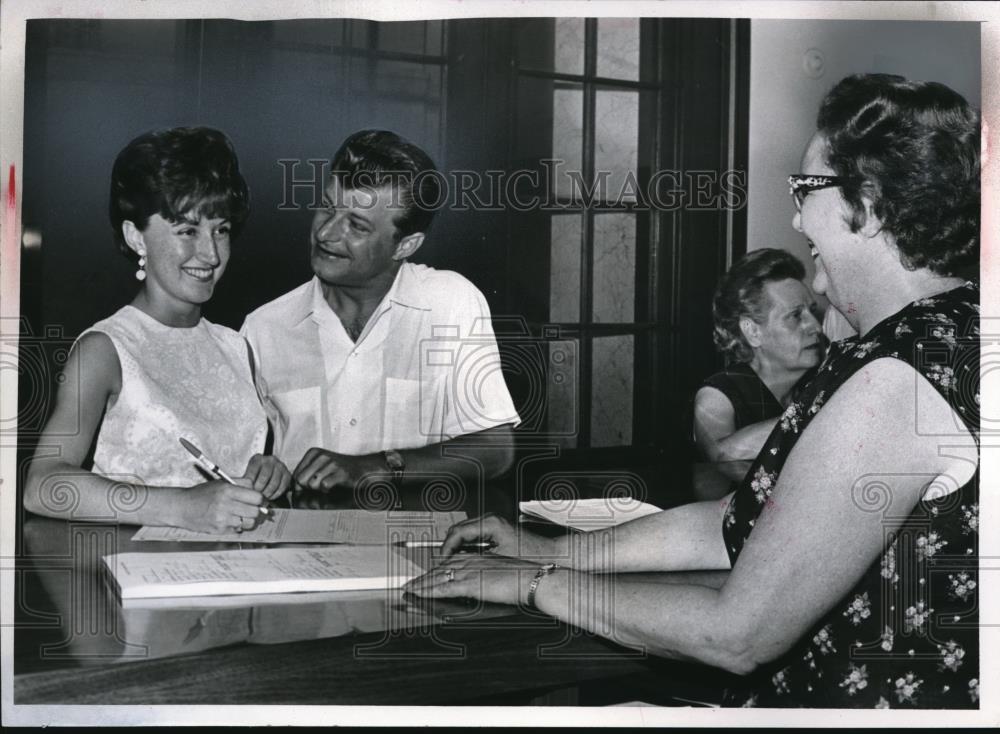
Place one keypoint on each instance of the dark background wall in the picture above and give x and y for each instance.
(291, 90)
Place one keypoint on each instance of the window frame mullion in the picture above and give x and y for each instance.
(585, 356)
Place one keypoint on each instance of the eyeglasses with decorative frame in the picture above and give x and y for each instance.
(801, 184)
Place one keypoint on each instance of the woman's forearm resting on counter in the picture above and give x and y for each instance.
(810, 545)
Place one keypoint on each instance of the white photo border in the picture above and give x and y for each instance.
(14, 13)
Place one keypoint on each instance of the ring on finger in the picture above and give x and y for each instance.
(449, 575)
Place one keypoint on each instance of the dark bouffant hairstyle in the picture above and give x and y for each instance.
(913, 148)
(741, 293)
(371, 159)
(184, 172)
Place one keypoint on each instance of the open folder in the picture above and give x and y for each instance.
(322, 526)
(259, 571)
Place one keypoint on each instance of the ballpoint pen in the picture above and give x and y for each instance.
(484, 545)
(212, 467)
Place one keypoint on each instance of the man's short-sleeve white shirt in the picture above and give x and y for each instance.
(425, 369)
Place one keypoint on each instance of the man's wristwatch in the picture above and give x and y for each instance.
(394, 461)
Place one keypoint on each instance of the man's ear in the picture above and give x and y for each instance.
(408, 245)
(133, 238)
(750, 330)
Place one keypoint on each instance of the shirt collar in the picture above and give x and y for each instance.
(405, 291)
(305, 302)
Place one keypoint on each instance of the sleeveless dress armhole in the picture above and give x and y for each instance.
(906, 634)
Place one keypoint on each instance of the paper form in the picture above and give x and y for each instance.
(360, 527)
(259, 571)
(588, 514)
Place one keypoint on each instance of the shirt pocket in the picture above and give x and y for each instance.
(298, 411)
(414, 411)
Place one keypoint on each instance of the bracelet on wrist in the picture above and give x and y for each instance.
(533, 586)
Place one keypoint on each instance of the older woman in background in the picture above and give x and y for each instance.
(156, 371)
(852, 541)
(765, 326)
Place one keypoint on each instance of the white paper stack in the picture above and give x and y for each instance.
(259, 571)
(587, 514)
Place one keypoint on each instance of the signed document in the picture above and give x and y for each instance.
(359, 527)
(259, 571)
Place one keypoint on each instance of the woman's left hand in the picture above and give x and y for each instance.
(488, 577)
(269, 475)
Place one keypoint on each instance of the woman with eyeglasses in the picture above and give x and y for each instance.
(849, 551)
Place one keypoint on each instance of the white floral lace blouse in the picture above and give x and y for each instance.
(906, 635)
(191, 382)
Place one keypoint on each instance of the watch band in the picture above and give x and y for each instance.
(539, 575)
(395, 463)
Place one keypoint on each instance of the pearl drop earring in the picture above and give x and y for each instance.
(140, 274)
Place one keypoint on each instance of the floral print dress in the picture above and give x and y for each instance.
(906, 635)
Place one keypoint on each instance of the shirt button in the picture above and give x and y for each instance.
(354, 421)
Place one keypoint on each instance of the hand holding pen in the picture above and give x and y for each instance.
(231, 506)
(484, 546)
(496, 535)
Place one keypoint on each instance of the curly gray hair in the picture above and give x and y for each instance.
(741, 293)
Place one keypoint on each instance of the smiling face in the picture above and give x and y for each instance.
(823, 219)
(184, 261)
(353, 237)
(791, 336)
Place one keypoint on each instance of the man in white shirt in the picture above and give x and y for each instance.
(377, 365)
